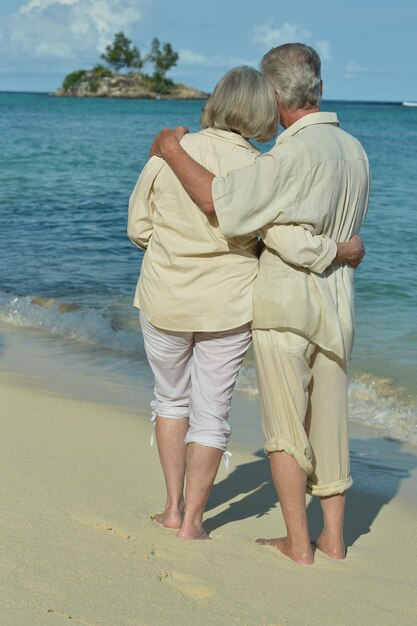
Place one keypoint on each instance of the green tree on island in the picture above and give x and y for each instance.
(122, 54)
(162, 60)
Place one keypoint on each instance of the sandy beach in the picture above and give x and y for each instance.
(80, 482)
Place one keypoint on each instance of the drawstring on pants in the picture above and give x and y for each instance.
(226, 459)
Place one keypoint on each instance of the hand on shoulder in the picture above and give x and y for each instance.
(166, 140)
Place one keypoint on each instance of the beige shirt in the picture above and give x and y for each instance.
(192, 277)
(317, 176)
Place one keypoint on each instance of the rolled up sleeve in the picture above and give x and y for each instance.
(251, 197)
(298, 246)
(267, 197)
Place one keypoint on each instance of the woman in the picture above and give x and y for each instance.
(195, 294)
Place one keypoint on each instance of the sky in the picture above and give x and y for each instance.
(368, 48)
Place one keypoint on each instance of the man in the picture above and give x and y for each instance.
(318, 176)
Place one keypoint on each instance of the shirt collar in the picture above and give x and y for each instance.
(231, 137)
(308, 120)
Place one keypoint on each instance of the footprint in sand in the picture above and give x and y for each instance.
(76, 619)
(159, 552)
(106, 527)
(184, 584)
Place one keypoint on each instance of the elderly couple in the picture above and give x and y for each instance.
(203, 294)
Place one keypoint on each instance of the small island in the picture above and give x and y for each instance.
(108, 81)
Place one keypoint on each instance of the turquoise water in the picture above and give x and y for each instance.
(68, 167)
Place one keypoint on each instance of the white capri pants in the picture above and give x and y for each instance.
(195, 374)
(303, 398)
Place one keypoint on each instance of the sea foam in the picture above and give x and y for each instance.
(85, 325)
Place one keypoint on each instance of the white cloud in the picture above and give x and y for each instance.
(58, 34)
(187, 57)
(41, 5)
(56, 51)
(268, 37)
(353, 69)
(323, 48)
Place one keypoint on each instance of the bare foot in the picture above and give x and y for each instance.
(168, 519)
(333, 549)
(302, 557)
(192, 532)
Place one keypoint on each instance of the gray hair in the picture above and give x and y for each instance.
(294, 71)
(243, 101)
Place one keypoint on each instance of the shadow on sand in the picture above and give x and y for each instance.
(253, 480)
(378, 467)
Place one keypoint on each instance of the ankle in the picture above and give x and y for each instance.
(300, 542)
(192, 531)
(331, 536)
(174, 504)
(332, 544)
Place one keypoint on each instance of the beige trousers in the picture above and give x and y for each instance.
(303, 399)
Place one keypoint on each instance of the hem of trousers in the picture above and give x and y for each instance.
(331, 489)
(218, 446)
(277, 444)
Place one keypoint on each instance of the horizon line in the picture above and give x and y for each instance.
(52, 94)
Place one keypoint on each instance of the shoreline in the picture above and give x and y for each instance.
(91, 373)
(79, 483)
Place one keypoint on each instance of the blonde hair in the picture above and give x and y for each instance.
(294, 71)
(243, 101)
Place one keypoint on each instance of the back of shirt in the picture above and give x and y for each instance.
(192, 277)
(330, 197)
(316, 175)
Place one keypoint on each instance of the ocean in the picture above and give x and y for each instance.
(68, 167)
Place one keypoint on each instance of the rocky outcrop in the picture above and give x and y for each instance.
(89, 85)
